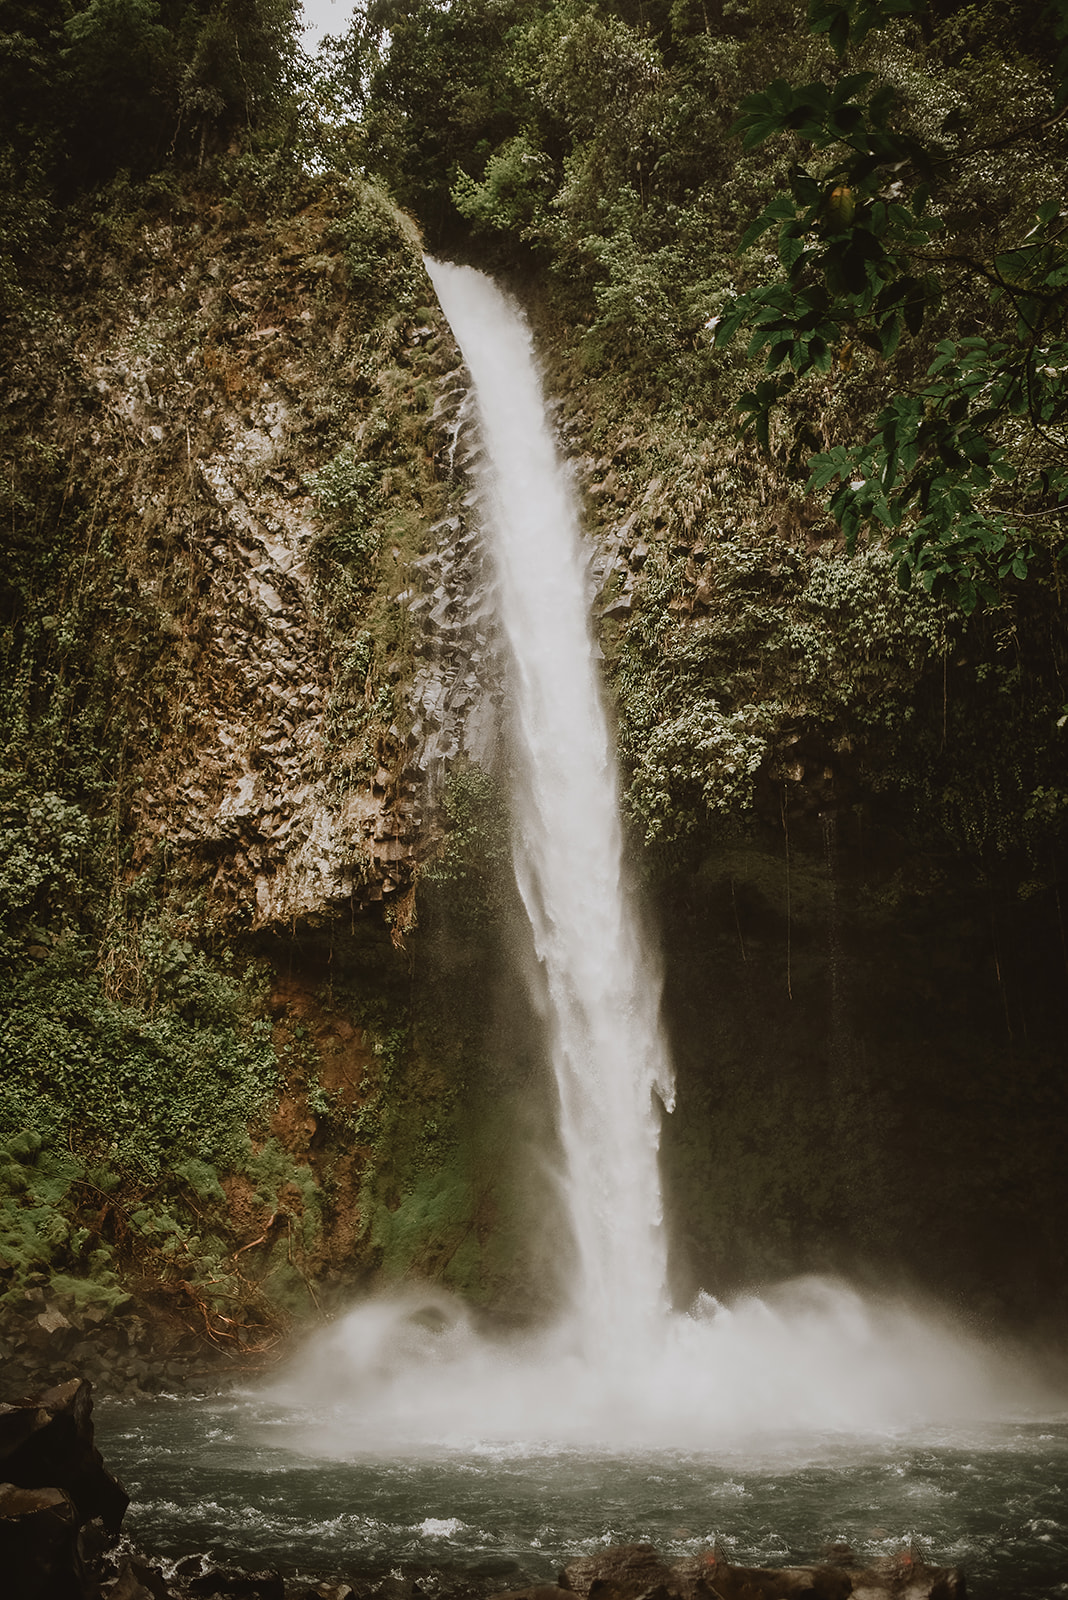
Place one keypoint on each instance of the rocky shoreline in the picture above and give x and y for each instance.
(62, 1512)
(131, 1353)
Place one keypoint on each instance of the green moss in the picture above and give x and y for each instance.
(42, 1237)
(148, 1088)
(85, 1292)
(425, 1227)
(201, 1178)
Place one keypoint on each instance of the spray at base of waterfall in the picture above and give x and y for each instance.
(812, 1356)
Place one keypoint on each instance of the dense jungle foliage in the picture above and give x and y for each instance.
(919, 229)
(874, 192)
(801, 279)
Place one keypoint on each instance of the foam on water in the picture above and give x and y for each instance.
(990, 1497)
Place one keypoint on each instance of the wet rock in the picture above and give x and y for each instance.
(636, 1572)
(621, 1572)
(396, 1587)
(728, 1582)
(908, 1577)
(49, 1444)
(540, 1591)
(93, 1542)
(53, 1321)
(235, 1585)
(39, 1557)
(136, 1581)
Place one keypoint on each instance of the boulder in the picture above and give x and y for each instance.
(636, 1572)
(48, 1444)
(908, 1577)
(729, 1582)
(237, 1585)
(620, 1572)
(539, 1591)
(39, 1556)
(136, 1581)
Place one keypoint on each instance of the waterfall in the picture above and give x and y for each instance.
(410, 1369)
(601, 986)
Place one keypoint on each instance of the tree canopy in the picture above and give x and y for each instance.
(966, 466)
(91, 86)
(906, 350)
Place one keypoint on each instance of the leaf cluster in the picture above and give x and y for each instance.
(963, 471)
(710, 707)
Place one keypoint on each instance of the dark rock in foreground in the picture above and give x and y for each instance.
(47, 1443)
(59, 1505)
(636, 1572)
(39, 1554)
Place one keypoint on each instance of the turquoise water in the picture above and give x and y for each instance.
(238, 1477)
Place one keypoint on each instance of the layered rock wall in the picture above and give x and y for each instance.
(217, 373)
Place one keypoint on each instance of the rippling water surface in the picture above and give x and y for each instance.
(238, 1476)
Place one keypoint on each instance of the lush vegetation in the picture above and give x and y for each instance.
(99, 92)
(157, 1100)
(88, 86)
(916, 291)
(872, 192)
(136, 1051)
(967, 467)
(801, 276)
(132, 1051)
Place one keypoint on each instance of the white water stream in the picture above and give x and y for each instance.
(603, 994)
(620, 1368)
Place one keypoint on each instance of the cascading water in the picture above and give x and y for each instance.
(620, 1367)
(603, 996)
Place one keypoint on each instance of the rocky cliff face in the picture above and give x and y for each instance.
(270, 417)
(246, 640)
(308, 705)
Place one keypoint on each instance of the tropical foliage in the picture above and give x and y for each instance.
(966, 466)
(89, 86)
(803, 277)
(909, 325)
